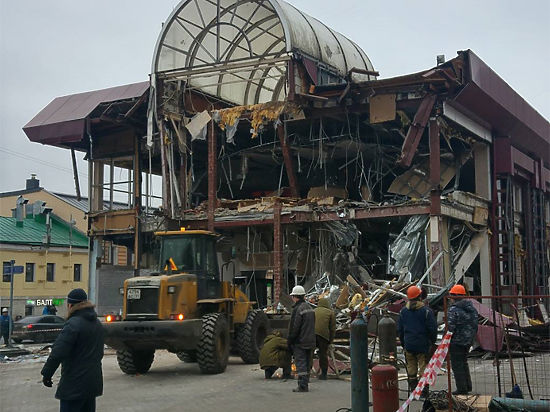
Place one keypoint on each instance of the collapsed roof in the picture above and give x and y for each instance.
(237, 50)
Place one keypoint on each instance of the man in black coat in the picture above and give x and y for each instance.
(79, 350)
(301, 336)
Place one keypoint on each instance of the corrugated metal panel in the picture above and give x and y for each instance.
(33, 231)
(62, 121)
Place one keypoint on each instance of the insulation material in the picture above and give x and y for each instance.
(415, 182)
(407, 250)
(259, 114)
(197, 126)
(382, 108)
(321, 192)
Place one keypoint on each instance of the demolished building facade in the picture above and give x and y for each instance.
(270, 128)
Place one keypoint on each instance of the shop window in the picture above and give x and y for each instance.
(5, 266)
(77, 272)
(50, 272)
(29, 272)
(28, 310)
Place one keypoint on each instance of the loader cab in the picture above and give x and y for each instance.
(194, 252)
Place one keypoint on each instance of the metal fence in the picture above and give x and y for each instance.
(511, 355)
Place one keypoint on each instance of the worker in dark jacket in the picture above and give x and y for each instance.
(301, 336)
(79, 350)
(417, 331)
(325, 328)
(462, 320)
(274, 355)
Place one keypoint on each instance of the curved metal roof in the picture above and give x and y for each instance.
(214, 34)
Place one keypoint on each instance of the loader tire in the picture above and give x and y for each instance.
(213, 348)
(251, 335)
(188, 356)
(133, 362)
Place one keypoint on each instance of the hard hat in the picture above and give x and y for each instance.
(413, 292)
(4, 310)
(457, 290)
(298, 291)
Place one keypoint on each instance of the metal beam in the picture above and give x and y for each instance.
(435, 168)
(436, 234)
(277, 252)
(212, 175)
(291, 174)
(311, 217)
(416, 129)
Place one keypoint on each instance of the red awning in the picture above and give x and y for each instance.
(63, 121)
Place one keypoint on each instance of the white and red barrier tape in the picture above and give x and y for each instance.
(430, 373)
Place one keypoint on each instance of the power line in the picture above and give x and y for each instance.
(40, 161)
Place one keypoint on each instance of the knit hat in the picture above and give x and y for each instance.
(77, 296)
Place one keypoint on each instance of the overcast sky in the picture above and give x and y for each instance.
(51, 48)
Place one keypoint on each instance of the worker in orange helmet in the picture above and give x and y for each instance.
(417, 331)
(462, 320)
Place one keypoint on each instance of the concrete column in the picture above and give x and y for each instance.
(96, 196)
(482, 162)
(93, 254)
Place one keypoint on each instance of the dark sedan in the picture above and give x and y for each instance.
(39, 329)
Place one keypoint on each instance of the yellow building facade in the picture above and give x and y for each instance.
(47, 278)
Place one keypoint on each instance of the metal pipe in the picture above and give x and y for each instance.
(449, 387)
(523, 353)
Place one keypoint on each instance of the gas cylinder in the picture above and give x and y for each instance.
(385, 388)
(387, 335)
(359, 335)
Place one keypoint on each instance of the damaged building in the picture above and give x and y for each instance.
(265, 125)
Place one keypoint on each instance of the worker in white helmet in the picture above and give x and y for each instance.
(301, 336)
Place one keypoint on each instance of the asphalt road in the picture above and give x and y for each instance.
(172, 385)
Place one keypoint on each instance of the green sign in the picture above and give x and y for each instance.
(31, 302)
(58, 302)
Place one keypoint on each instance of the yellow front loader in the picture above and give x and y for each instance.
(187, 309)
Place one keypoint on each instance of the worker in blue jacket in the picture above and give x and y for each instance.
(462, 320)
(5, 322)
(417, 331)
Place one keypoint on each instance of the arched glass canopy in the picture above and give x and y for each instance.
(238, 49)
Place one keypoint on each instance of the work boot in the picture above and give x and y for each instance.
(461, 381)
(413, 382)
(269, 373)
(425, 392)
(323, 375)
(302, 384)
(468, 379)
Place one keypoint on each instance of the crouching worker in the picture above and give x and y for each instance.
(274, 355)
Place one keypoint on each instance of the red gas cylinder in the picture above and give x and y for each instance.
(385, 389)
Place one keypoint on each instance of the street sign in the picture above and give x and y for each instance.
(16, 270)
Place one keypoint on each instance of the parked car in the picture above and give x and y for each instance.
(39, 329)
